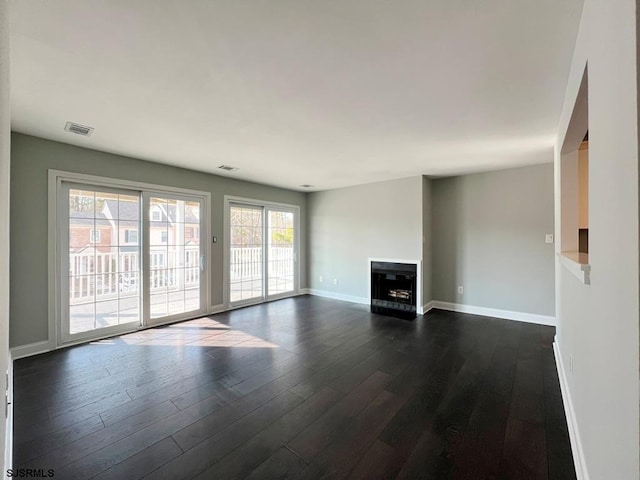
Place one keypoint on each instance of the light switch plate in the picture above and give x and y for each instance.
(548, 238)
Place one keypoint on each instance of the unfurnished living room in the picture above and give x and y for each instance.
(305, 239)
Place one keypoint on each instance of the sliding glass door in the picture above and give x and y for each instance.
(262, 252)
(128, 259)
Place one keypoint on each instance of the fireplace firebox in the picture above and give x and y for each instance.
(393, 289)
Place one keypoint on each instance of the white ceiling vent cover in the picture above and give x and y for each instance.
(79, 129)
(228, 168)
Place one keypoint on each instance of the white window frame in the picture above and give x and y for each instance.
(56, 274)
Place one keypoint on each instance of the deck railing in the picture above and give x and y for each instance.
(95, 276)
(246, 263)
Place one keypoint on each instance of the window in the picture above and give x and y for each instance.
(156, 215)
(131, 236)
(164, 237)
(94, 236)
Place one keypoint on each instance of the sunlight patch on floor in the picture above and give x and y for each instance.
(202, 332)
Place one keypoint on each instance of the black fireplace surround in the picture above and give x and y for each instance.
(393, 289)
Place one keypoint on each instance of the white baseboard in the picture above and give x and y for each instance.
(304, 291)
(30, 349)
(8, 442)
(572, 424)
(493, 312)
(338, 296)
(425, 308)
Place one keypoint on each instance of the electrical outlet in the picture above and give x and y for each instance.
(321, 279)
(335, 281)
(548, 238)
(460, 289)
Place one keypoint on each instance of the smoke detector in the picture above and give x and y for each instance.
(79, 129)
(306, 185)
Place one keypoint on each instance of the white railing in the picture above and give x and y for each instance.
(246, 263)
(106, 275)
(103, 276)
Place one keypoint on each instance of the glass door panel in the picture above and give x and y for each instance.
(281, 252)
(246, 277)
(103, 269)
(175, 256)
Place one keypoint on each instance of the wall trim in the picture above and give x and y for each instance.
(339, 296)
(427, 307)
(30, 349)
(572, 423)
(493, 312)
(8, 442)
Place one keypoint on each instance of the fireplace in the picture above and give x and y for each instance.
(394, 289)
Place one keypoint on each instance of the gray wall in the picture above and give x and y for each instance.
(5, 140)
(31, 158)
(489, 237)
(349, 225)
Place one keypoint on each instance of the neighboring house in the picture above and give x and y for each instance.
(108, 241)
(87, 231)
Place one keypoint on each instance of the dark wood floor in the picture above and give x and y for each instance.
(300, 388)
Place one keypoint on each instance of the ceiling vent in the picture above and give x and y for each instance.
(228, 168)
(306, 185)
(79, 129)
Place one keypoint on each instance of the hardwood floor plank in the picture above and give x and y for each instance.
(226, 439)
(427, 460)
(342, 455)
(381, 461)
(240, 462)
(315, 438)
(58, 456)
(525, 451)
(283, 465)
(41, 444)
(480, 452)
(140, 464)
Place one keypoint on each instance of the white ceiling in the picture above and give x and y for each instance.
(329, 93)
